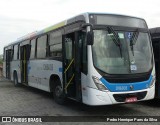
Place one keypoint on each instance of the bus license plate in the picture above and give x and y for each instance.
(131, 99)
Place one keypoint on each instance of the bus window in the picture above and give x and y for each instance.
(33, 44)
(19, 55)
(68, 47)
(55, 44)
(41, 47)
(56, 50)
(12, 52)
(15, 53)
(18, 52)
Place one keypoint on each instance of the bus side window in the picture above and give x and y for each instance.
(55, 44)
(68, 47)
(12, 52)
(18, 51)
(33, 45)
(41, 46)
(15, 52)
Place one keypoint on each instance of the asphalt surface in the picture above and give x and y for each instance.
(27, 101)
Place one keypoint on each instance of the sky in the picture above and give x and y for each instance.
(20, 17)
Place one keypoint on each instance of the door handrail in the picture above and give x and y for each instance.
(69, 65)
(68, 83)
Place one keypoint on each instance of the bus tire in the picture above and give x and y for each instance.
(58, 94)
(15, 79)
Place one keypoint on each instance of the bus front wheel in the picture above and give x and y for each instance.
(58, 93)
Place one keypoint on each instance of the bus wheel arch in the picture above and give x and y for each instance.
(56, 89)
(52, 80)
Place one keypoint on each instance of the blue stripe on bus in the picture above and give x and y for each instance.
(122, 87)
(60, 69)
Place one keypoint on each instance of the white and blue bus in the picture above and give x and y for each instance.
(93, 58)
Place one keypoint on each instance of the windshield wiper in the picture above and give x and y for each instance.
(133, 40)
(115, 38)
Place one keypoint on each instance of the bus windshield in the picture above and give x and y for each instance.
(131, 55)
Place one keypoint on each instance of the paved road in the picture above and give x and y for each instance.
(27, 101)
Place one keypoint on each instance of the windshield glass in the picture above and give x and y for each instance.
(129, 54)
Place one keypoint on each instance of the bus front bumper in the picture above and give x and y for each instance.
(97, 97)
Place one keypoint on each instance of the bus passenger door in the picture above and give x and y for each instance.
(8, 61)
(25, 53)
(72, 65)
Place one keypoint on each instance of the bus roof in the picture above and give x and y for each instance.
(80, 17)
(155, 33)
(155, 30)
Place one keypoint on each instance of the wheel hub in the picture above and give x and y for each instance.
(58, 91)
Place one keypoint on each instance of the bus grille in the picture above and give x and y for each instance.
(122, 97)
(127, 78)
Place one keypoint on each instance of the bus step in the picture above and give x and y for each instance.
(73, 98)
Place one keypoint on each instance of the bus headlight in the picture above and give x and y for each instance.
(153, 81)
(98, 83)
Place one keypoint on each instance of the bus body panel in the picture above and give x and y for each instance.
(96, 97)
(40, 72)
(15, 66)
(85, 81)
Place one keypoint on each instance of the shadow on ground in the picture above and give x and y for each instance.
(151, 103)
(110, 110)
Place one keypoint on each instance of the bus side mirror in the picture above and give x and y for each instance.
(90, 38)
(90, 34)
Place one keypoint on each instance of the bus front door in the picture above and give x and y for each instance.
(8, 61)
(25, 53)
(72, 66)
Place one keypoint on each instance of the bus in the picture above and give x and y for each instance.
(155, 35)
(93, 58)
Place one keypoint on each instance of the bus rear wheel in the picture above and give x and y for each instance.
(58, 94)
